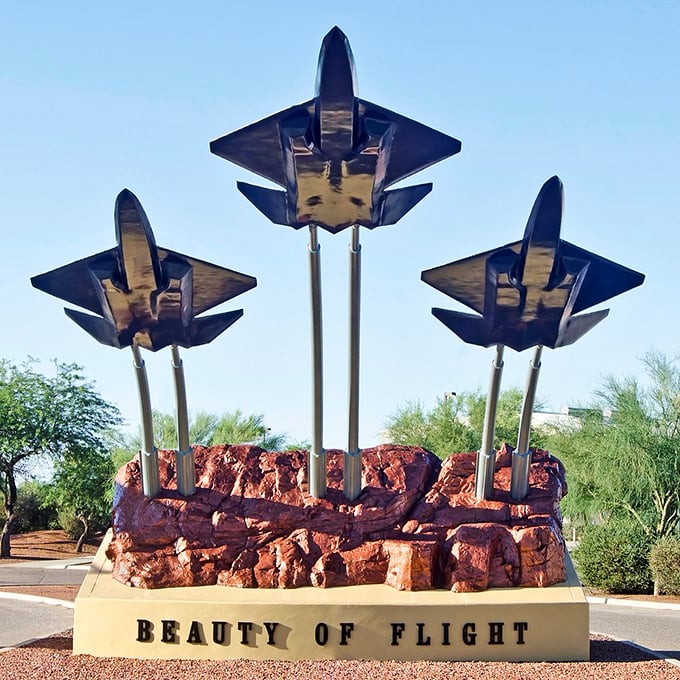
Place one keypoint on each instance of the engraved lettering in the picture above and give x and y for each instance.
(495, 633)
(397, 631)
(271, 629)
(144, 629)
(469, 635)
(521, 627)
(169, 631)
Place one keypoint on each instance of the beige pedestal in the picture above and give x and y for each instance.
(356, 622)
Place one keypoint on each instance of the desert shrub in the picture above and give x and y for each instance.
(68, 520)
(664, 561)
(33, 510)
(70, 523)
(614, 557)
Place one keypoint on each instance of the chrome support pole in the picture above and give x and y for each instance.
(316, 465)
(148, 456)
(184, 455)
(486, 456)
(352, 462)
(521, 456)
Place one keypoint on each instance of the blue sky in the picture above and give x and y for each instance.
(99, 98)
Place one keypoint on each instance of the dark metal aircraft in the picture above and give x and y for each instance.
(144, 295)
(528, 291)
(335, 154)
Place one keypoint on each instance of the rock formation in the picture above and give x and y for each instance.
(415, 526)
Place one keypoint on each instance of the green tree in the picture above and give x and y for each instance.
(33, 510)
(455, 424)
(82, 488)
(208, 429)
(629, 465)
(44, 418)
(443, 430)
(235, 428)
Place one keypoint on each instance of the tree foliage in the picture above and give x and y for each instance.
(628, 466)
(664, 562)
(82, 490)
(44, 418)
(208, 429)
(455, 424)
(615, 557)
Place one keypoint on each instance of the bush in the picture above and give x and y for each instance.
(33, 511)
(614, 557)
(664, 561)
(69, 522)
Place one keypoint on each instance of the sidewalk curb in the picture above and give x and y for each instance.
(642, 604)
(5, 595)
(630, 643)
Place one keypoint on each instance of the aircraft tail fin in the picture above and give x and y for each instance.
(270, 202)
(579, 326)
(206, 329)
(398, 202)
(468, 327)
(100, 329)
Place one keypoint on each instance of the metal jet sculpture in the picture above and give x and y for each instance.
(335, 155)
(148, 297)
(527, 293)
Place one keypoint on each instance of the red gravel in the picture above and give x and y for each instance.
(52, 658)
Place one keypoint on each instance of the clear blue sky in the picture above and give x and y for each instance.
(101, 96)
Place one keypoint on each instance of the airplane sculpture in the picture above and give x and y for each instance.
(148, 297)
(145, 295)
(335, 155)
(532, 288)
(527, 293)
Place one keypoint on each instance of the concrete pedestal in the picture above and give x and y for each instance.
(354, 622)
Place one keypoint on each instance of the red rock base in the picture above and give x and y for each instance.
(415, 526)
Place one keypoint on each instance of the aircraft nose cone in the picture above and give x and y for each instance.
(543, 227)
(335, 77)
(125, 201)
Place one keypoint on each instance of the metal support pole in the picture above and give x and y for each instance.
(486, 456)
(352, 462)
(521, 456)
(184, 455)
(148, 456)
(317, 456)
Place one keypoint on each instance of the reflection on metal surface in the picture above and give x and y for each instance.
(528, 291)
(521, 456)
(336, 154)
(317, 455)
(148, 456)
(486, 456)
(185, 469)
(352, 459)
(145, 295)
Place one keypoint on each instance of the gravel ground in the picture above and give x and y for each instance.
(52, 658)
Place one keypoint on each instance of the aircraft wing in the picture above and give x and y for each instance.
(257, 147)
(212, 285)
(73, 282)
(604, 280)
(414, 146)
(463, 280)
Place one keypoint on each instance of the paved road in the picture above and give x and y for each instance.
(31, 620)
(35, 573)
(657, 629)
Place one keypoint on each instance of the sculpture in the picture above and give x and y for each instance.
(148, 297)
(527, 293)
(335, 155)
